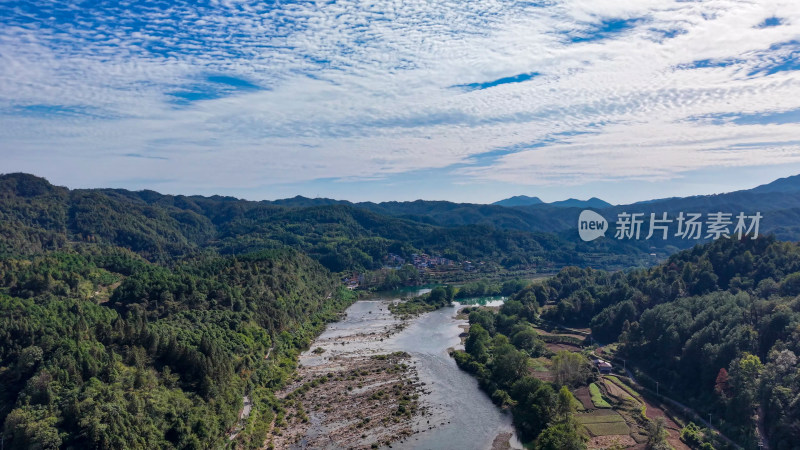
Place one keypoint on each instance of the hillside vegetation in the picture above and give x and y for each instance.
(717, 327)
(136, 319)
(36, 216)
(102, 349)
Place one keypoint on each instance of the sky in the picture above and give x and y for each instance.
(461, 100)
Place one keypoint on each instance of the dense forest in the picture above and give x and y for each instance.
(36, 216)
(102, 349)
(778, 202)
(716, 326)
(140, 319)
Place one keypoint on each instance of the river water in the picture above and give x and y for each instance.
(463, 415)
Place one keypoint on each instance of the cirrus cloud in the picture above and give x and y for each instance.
(242, 94)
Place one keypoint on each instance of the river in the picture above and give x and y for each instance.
(463, 416)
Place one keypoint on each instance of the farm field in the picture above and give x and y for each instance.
(557, 347)
(603, 423)
(615, 390)
(622, 385)
(540, 368)
(597, 397)
(583, 396)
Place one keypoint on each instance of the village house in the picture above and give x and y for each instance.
(603, 366)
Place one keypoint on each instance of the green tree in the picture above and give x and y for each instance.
(477, 343)
(561, 436)
(570, 368)
(565, 405)
(508, 365)
(657, 435)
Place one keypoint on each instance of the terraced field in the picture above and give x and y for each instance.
(583, 396)
(603, 423)
(540, 368)
(597, 397)
(616, 390)
(557, 347)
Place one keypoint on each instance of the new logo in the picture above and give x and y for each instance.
(591, 225)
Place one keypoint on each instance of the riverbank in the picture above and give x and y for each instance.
(373, 380)
(350, 402)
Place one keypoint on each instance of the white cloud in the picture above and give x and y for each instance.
(364, 89)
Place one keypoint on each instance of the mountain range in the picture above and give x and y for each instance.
(779, 199)
(524, 200)
(36, 215)
(137, 319)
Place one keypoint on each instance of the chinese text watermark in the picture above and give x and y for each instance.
(592, 225)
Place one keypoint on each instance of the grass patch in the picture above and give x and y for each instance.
(603, 423)
(411, 308)
(594, 417)
(607, 428)
(597, 397)
(538, 365)
(622, 384)
(614, 391)
(559, 339)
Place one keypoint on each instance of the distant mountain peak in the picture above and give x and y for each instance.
(524, 200)
(788, 184)
(303, 202)
(519, 200)
(25, 184)
(593, 202)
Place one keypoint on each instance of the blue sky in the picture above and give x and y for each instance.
(378, 100)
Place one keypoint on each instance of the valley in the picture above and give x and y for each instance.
(393, 384)
(154, 321)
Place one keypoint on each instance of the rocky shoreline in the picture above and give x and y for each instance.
(368, 383)
(349, 394)
(351, 402)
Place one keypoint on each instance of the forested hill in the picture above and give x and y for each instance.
(100, 348)
(36, 216)
(778, 201)
(122, 326)
(136, 319)
(718, 326)
(140, 320)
